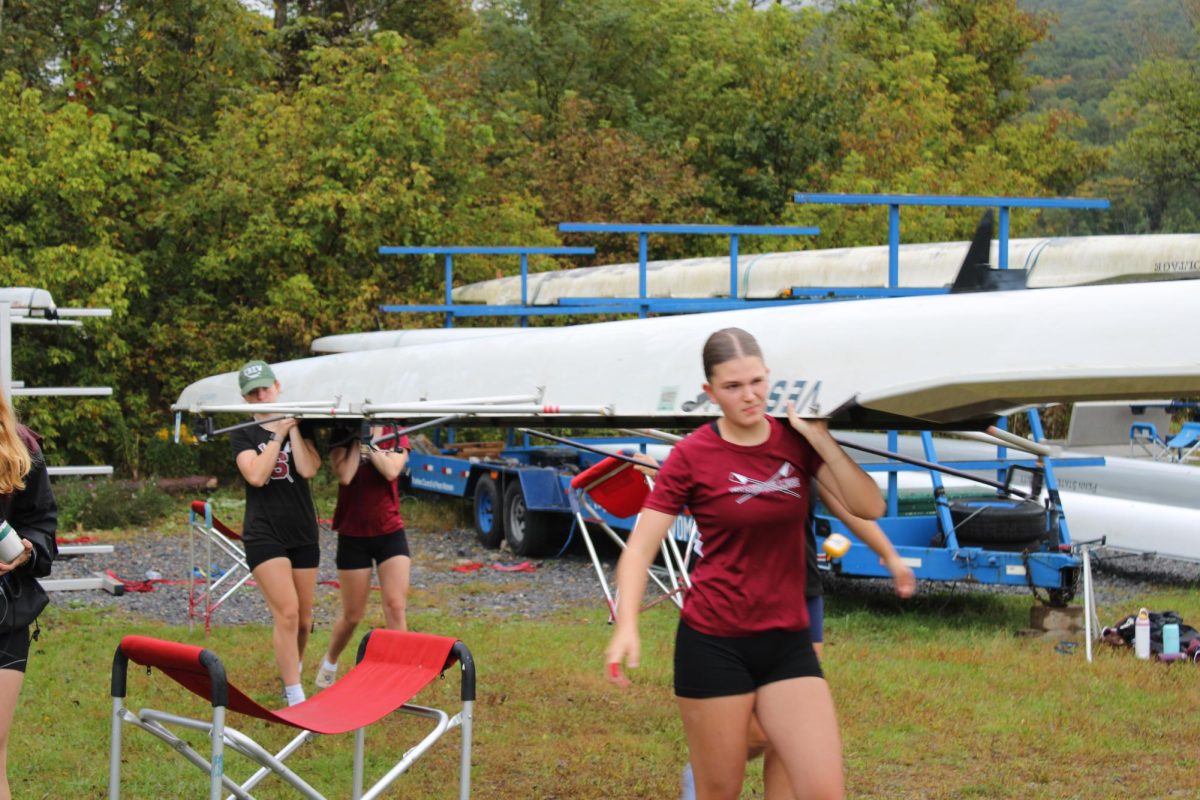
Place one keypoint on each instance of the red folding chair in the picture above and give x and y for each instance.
(392, 668)
(222, 543)
(617, 487)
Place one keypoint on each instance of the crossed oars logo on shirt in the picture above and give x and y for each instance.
(781, 481)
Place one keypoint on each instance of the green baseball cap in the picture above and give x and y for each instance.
(255, 375)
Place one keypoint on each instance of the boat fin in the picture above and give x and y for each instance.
(975, 274)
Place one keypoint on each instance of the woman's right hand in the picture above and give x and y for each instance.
(624, 650)
(284, 426)
(22, 557)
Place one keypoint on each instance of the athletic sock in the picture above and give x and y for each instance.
(294, 694)
(687, 788)
(325, 665)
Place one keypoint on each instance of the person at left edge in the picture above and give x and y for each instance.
(277, 459)
(26, 504)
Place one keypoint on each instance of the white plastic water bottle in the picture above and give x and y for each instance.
(10, 543)
(1141, 635)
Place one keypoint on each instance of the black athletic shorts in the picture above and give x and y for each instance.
(305, 556)
(14, 649)
(722, 666)
(359, 552)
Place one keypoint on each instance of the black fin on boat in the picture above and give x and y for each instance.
(975, 274)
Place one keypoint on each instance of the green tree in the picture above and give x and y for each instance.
(169, 66)
(276, 241)
(546, 51)
(941, 91)
(70, 201)
(425, 21)
(1159, 107)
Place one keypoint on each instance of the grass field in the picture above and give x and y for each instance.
(937, 699)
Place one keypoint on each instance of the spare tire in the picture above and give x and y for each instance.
(999, 523)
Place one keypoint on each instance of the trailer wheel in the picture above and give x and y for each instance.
(527, 532)
(998, 523)
(489, 518)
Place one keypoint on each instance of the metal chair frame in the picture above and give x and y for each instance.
(223, 736)
(214, 535)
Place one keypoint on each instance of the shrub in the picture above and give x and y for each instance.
(109, 504)
(165, 458)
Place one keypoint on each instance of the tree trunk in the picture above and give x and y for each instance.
(280, 13)
(192, 483)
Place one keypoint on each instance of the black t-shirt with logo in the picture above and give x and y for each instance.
(283, 510)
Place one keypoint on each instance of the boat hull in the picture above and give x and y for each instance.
(921, 362)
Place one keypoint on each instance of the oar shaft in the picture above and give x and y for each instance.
(581, 446)
(916, 462)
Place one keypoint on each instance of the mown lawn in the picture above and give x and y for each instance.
(937, 698)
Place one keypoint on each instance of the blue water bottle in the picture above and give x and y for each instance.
(1170, 639)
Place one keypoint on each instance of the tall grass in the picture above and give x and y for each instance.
(937, 699)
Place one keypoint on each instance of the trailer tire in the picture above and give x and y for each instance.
(489, 513)
(998, 523)
(527, 532)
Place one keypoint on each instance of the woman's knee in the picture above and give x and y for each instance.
(287, 616)
(396, 609)
(719, 786)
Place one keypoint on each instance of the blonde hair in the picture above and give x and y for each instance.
(15, 460)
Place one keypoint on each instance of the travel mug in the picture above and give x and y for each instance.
(10, 543)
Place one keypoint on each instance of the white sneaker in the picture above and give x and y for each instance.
(325, 677)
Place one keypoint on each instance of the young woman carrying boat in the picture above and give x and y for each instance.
(370, 531)
(277, 459)
(775, 777)
(743, 646)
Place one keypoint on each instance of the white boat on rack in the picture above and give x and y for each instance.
(1047, 262)
(919, 362)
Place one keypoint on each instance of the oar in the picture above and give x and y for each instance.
(588, 448)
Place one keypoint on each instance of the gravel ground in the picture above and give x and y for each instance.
(556, 584)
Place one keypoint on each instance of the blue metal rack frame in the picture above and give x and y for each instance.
(894, 201)
(1045, 569)
(449, 308)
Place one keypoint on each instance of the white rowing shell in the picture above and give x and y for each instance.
(934, 360)
(1057, 262)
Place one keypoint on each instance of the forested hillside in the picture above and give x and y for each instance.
(222, 178)
(1091, 45)
(1128, 69)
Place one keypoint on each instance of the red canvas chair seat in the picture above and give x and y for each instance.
(393, 667)
(200, 506)
(615, 485)
(619, 488)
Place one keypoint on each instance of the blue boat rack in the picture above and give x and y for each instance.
(526, 485)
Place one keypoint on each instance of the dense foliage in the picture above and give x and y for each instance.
(222, 178)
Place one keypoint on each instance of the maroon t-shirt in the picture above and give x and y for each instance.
(750, 505)
(370, 505)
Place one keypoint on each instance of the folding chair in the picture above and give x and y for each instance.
(1183, 444)
(1145, 435)
(228, 543)
(392, 667)
(618, 488)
